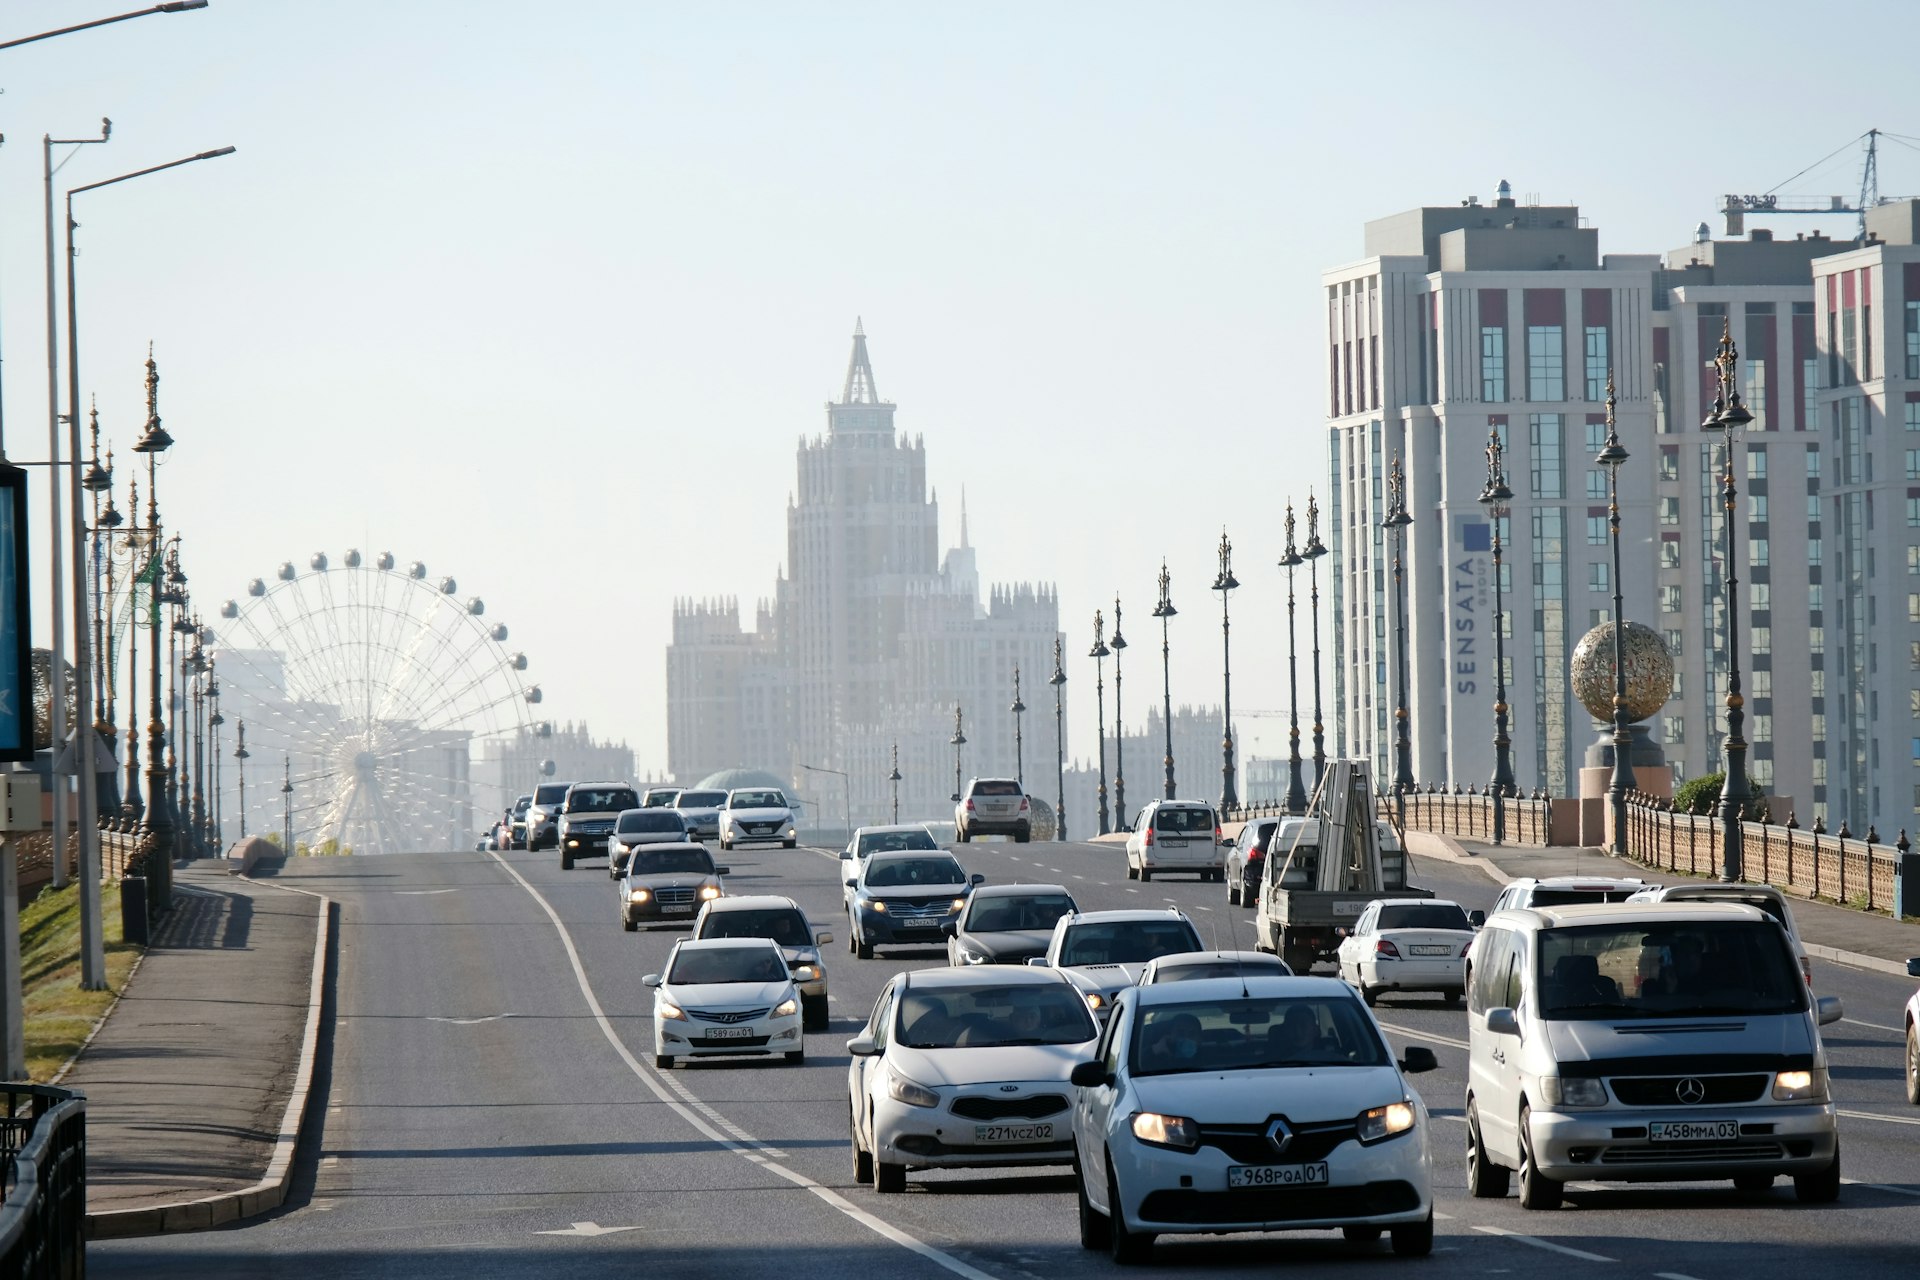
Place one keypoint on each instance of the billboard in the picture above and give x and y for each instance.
(16, 658)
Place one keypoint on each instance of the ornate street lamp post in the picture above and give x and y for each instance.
(957, 741)
(1611, 455)
(1296, 787)
(1058, 679)
(1099, 653)
(1314, 550)
(893, 777)
(1118, 643)
(198, 663)
(1396, 522)
(156, 842)
(286, 802)
(1019, 709)
(214, 721)
(132, 807)
(1163, 611)
(241, 755)
(1729, 414)
(1495, 497)
(1223, 582)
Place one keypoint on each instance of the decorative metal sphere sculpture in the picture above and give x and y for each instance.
(1649, 671)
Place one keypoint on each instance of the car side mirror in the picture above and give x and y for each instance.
(976, 879)
(853, 884)
(1418, 1058)
(650, 980)
(823, 939)
(847, 852)
(1829, 1009)
(1038, 962)
(1476, 918)
(1088, 1075)
(862, 1046)
(1913, 967)
(723, 871)
(1501, 1022)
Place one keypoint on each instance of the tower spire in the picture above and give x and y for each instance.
(860, 388)
(963, 517)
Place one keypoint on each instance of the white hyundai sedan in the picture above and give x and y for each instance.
(1407, 944)
(965, 1068)
(725, 997)
(1250, 1103)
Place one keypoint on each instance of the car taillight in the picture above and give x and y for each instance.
(1387, 949)
(1149, 840)
(1465, 947)
(969, 806)
(1806, 969)
(1024, 804)
(1254, 855)
(1216, 833)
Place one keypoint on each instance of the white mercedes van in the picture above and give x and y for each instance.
(1645, 1042)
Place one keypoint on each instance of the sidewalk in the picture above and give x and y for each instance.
(188, 1080)
(1841, 934)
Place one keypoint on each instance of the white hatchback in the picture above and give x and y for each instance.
(725, 997)
(1249, 1104)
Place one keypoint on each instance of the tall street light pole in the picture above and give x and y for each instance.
(155, 850)
(1058, 680)
(1019, 709)
(957, 741)
(1163, 611)
(1099, 653)
(1223, 582)
(286, 807)
(240, 757)
(1728, 416)
(893, 777)
(1314, 550)
(846, 791)
(1118, 643)
(1296, 787)
(1396, 522)
(214, 721)
(1495, 496)
(1611, 455)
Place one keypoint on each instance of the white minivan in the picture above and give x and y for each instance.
(1176, 835)
(1644, 1042)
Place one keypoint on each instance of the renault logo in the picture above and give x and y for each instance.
(1690, 1091)
(1280, 1136)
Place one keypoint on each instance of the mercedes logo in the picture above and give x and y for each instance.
(1690, 1091)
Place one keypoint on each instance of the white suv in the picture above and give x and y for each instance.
(1176, 835)
(993, 806)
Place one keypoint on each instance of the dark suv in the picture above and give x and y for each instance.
(588, 818)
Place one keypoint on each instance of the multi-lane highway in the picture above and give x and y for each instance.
(491, 1110)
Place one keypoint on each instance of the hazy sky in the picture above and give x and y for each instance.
(545, 295)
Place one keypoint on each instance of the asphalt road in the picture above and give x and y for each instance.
(491, 1106)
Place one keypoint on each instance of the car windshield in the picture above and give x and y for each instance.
(1219, 967)
(1422, 915)
(996, 788)
(784, 925)
(894, 841)
(1183, 821)
(1127, 941)
(1677, 969)
(551, 794)
(659, 799)
(1767, 903)
(662, 862)
(521, 805)
(1240, 1034)
(1573, 897)
(899, 872)
(651, 820)
(756, 800)
(601, 800)
(1263, 835)
(998, 914)
(727, 964)
(700, 800)
(986, 1017)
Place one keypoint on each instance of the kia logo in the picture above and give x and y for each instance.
(1690, 1091)
(1009, 1088)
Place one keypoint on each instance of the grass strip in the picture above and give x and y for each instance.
(59, 1014)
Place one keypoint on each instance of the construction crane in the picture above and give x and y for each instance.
(1737, 207)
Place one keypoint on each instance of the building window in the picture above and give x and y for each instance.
(1849, 347)
(1757, 393)
(1759, 596)
(1670, 598)
(1673, 730)
(1757, 508)
(1669, 555)
(1762, 727)
(1762, 640)
(1672, 639)
(1913, 560)
(1913, 702)
(1913, 339)
(1913, 606)
(1669, 462)
(1813, 553)
(1678, 691)
(1546, 363)
(1597, 531)
(1912, 416)
(1669, 511)
(1597, 359)
(1597, 485)
(1913, 464)
(1545, 431)
(1762, 684)
(1757, 463)
(1758, 552)
(1913, 513)
(1597, 576)
(1493, 364)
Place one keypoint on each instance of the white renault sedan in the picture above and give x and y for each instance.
(965, 1068)
(1249, 1104)
(1407, 944)
(725, 997)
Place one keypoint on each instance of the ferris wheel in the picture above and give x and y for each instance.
(377, 683)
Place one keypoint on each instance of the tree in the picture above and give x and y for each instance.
(1701, 795)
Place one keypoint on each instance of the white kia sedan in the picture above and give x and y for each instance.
(965, 1068)
(1249, 1104)
(725, 997)
(1407, 944)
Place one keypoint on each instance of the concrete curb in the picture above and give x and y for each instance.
(271, 1191)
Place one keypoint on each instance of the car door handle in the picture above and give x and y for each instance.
(1499, 1056)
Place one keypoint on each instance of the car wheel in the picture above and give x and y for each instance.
(726, 846)
(889, 1179)
(1913, 1065)
(1822, 1187)
(1537, 1191)
(1485, 1179)
(1094, 1225)
(862, 1162)
(788, 844)
(863, 949)
(1414, 1239)
(1233, 892)
(1453, 996)
(631, 926)
(1146, 874)
(1361, 1235)
(962, 835)
(815, 1016)
(853, 938)
(1133, 872)
(796, 1057)
(663, 1062)
(1371, 995)
(1023, 835)
(1752, 1183)
(1127, 1248)
(566, 862)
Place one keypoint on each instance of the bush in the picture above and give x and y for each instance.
(1702, 796)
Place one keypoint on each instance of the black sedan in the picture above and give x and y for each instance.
(1006, 923)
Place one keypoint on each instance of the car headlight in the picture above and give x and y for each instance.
(1095, 1000)
(957, 905)
(1800, 1086)
(786, 1008)
(639, 895)
(876, 905)
(805, 973)
(1156, 1130)
(969, 956)
(792, 834)
(669, 1010)
(901, 1089)
(1571, 1091)
(709, 892)
(1384, 1122)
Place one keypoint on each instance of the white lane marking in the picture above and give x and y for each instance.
(1133, 891)
(324, 1206)
(1881, 1186)
(1671, 1275)
(588, 1229)
(468, 1022)
(1898, 1031)
(1456, 1119)
(1442, 1217)
(420, 893)
(1875, 1115)
(1449, 1041)
(652, 1080)
(1548, 1245)
(1079, 877)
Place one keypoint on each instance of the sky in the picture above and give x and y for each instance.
(546, 296)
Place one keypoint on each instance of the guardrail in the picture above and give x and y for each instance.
(43, 1182)
(1469, 813)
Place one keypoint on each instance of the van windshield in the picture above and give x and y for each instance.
(1673, 969)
